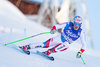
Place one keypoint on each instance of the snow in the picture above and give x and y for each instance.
(14, 25)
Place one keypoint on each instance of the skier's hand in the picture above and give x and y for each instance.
(53, 31)
(78, 55)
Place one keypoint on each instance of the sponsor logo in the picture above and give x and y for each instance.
(71, 34)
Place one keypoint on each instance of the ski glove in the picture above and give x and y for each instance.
(78, 55)
(53, 31)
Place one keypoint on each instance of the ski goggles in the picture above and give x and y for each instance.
(77, 24)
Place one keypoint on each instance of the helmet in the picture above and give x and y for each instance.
(77, 20)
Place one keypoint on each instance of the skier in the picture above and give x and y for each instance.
(71, 32)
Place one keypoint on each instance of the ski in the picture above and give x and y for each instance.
(25, 51)
(45, 56)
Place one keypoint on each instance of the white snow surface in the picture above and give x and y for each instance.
(14, 25)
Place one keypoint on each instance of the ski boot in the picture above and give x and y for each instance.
(48, 52)
(25, 49)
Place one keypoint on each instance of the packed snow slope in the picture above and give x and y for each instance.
(14, 25)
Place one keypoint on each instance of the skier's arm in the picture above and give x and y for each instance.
(83, 42)
(58, 26)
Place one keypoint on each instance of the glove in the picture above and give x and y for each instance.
(78, 55)
(53, 31)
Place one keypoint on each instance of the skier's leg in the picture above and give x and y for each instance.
(32, 46)
(50, 42)
(58, 48)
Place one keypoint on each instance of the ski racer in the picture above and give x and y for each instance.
(71, 32)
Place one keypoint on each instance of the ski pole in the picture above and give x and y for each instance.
(26, 38)
(83, 60)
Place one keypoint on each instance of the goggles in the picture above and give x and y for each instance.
(77, 24)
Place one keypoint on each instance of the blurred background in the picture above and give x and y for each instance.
(51, 12)
(23, 18)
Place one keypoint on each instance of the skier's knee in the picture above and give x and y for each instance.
(46, 44)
